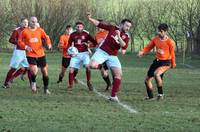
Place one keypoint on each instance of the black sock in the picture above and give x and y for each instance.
(60, 78)
(162, 75)
(160, 90)
(75, 73)
(150, 93)
(33, 78)
(45, 81)
(107, 80)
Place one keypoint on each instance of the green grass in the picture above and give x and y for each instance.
(81, 110)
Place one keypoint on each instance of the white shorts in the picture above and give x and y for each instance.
(101, 56)
(82, 58)
(19, 59)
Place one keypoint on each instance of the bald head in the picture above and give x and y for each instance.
(33, 22)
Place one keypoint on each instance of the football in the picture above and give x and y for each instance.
(72, 51)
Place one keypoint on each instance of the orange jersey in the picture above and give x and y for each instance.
(63, 44)
(100, 36)
(33, 39)
(164, 49)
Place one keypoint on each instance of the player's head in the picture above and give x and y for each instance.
(24, 22)
(79, 26)
(100, 29)
(33, 22)
(37, 24)
(69, 29)
(162, 30)
(125, 25)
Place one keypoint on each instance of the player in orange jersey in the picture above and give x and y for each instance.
(165, 58)
(63, 44)
(31, 40)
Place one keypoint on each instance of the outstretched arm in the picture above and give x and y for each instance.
(92, 20)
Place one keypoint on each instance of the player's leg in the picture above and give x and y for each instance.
(41, 62)
(97, 59)
(33, 72)
(114, 64)
(159, 81)
(149, 86)
(65, 64)
(105, 75)
(74, 64)
(149, 78)
(14, 64)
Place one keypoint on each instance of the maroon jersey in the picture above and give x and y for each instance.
(110, 45)
(14, 37)
(80, 40)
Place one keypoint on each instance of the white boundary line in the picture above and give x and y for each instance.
(127, 107)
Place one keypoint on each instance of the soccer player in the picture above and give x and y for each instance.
(19, 56)
(63, 44)
(80, 39)
(165, 58)
(116, 39)
(31, 40)
(100, 37)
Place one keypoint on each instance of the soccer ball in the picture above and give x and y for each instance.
(72, 51)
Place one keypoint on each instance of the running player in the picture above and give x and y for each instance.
(63, 44)
(19, 56)
(165, 58)
(31, 40)
(79, 39)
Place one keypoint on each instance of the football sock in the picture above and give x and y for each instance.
(45, 81)
(71, 79)
(88, 74)
(107, 80)
(9, 75)
(160, 90)
(116, 86)
(149, 93)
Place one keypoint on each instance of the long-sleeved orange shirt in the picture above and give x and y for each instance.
(33, 39)
(63, 44)
(164, 49)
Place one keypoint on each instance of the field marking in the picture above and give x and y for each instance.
(125, 106)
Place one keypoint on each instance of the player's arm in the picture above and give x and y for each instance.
(13, 38)
(172, 52)
(21, 42)
(47, 39)
(92, 40)
(146, 49)
(92, 20)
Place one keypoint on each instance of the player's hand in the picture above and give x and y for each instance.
(89, 15)
(50, 47)
(140, 54)
(27, 48)
(123, 52)
(118, 33)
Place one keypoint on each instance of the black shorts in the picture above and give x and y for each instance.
(65, 62)
(40, 61)
(156, 64)
(105, 67)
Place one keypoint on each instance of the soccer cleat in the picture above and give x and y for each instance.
(33, 87)
(115, 99)
(46, 91)
(6, 86)
(90, 87)
(59, 81)
(160, 97)
(69, 88)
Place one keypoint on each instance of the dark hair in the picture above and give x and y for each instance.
(79, 22)
(68, 26)
(125, 20)
(163, 26)
(23, 18)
